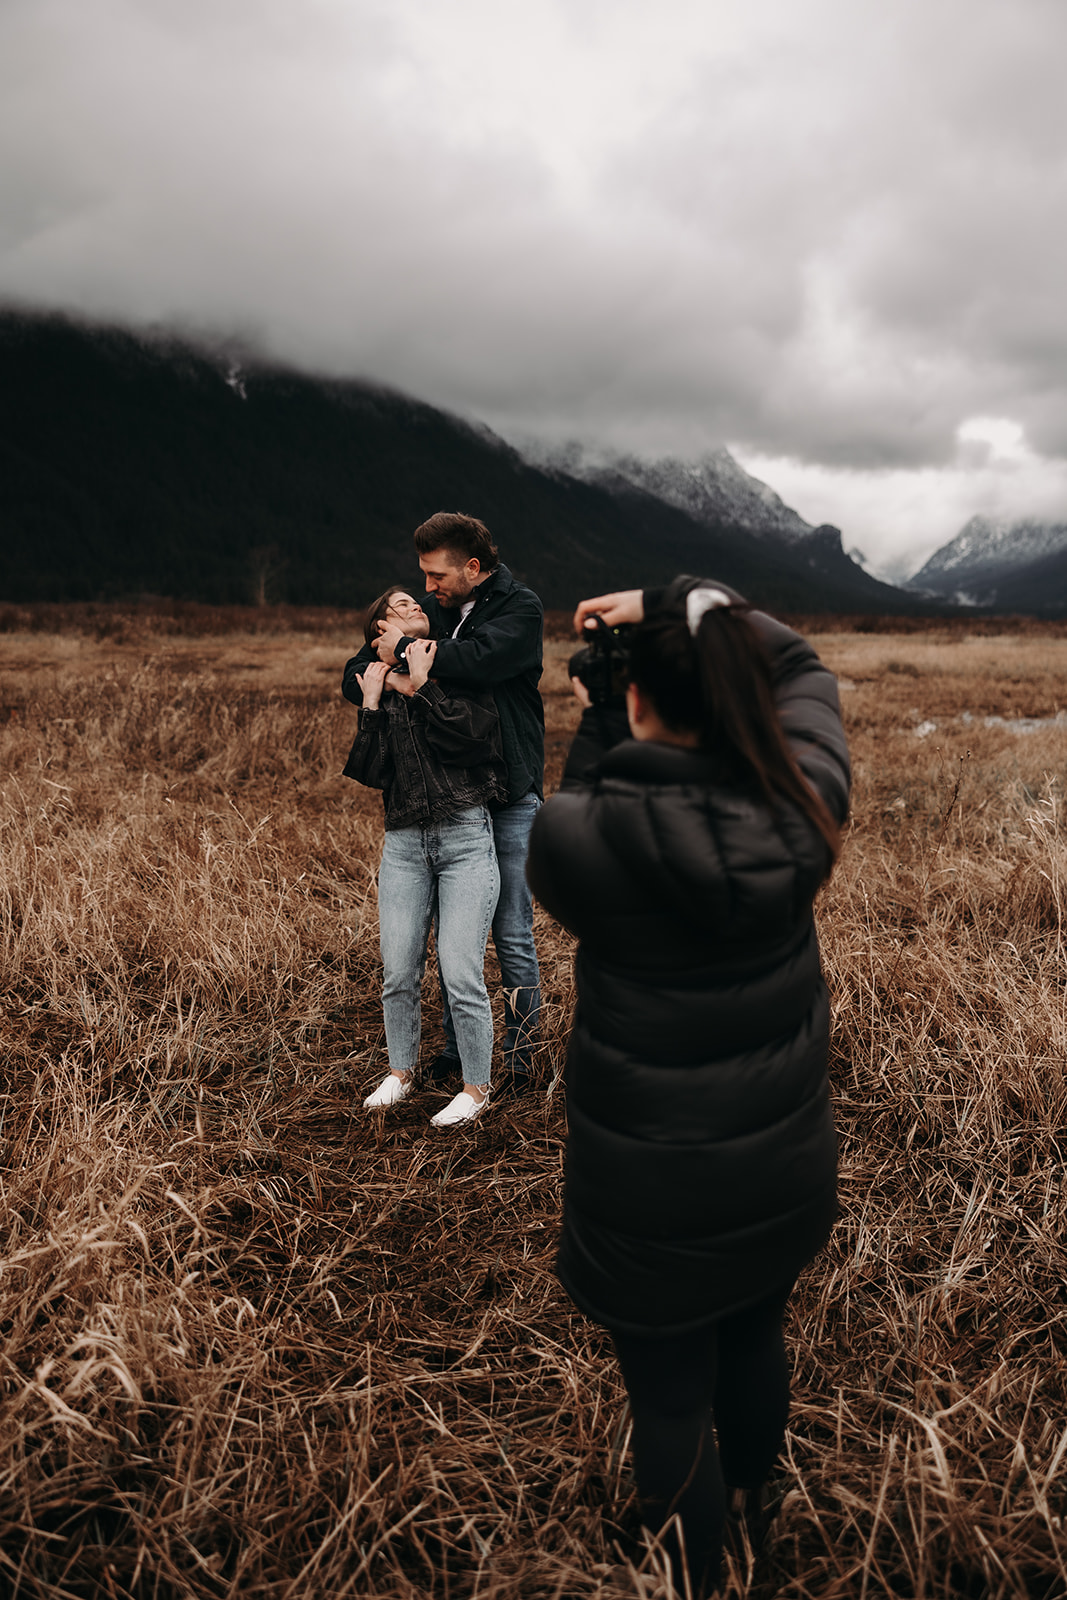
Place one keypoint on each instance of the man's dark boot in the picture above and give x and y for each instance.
(443, 1068)
(517, 1075)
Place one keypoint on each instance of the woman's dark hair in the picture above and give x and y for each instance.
(376, 612)
(462, 536)
(719, 684)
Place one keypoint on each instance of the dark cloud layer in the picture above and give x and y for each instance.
(825, 232)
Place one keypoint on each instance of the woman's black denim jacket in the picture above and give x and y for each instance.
(432, 755)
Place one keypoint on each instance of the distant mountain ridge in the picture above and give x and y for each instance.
(996, 561)
(132, 465)
(714, 487)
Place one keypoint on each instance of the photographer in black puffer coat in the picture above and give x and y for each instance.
(701, 1159)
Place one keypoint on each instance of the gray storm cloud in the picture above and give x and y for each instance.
(826, 232)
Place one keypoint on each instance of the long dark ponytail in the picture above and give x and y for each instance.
(718, 683)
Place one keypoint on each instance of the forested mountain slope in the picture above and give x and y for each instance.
(132, 465)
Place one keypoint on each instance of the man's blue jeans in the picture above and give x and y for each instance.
(449, 868)
(512, 937)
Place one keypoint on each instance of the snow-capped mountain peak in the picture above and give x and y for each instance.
(711, 488)
(985, 545)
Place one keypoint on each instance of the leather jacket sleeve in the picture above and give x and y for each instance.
(358, 663)
(462, 729)
(369, 760)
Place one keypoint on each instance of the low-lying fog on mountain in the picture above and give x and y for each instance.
(714, 487)
(133, 466)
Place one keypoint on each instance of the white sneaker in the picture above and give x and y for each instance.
(464, 1108)
(389, 1092)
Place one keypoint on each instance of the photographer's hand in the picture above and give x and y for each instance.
(371, 682)
(626, 605)
(581, 694)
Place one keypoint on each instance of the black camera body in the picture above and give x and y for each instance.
(603, 665)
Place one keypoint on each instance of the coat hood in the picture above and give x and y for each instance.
(702, 842)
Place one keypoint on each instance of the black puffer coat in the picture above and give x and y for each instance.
(701, 1159)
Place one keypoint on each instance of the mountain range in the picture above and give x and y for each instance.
(133, 465)
(711, 489)
(1012, 565)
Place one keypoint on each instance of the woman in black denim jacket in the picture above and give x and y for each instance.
(435, 754)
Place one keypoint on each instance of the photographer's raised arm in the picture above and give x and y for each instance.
(597, 675)
(624, 605)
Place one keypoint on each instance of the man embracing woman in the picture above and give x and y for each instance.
(452, 732)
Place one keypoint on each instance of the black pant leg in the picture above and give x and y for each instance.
(670, 1382)
(751, 1399)
(730, 1379)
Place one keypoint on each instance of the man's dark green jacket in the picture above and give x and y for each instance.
(499, 647)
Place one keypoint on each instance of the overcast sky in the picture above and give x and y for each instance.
(831, 234)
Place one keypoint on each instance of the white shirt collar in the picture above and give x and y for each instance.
(464, 612)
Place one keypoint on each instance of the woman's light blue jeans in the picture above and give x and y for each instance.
(449, 867)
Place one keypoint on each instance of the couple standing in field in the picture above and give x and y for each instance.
(459, 757)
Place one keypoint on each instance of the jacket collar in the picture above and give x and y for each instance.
(446, 620)
(645, 761)
(498, 582)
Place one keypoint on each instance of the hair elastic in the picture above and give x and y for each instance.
(697, 601)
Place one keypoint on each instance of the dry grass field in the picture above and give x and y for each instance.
(255, 1344)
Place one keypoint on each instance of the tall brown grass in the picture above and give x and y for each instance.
(255, 1344)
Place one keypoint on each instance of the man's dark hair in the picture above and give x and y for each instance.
(461, 536)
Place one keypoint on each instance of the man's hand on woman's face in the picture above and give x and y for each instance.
(389, 636)
(625, 605)
(371, 682)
